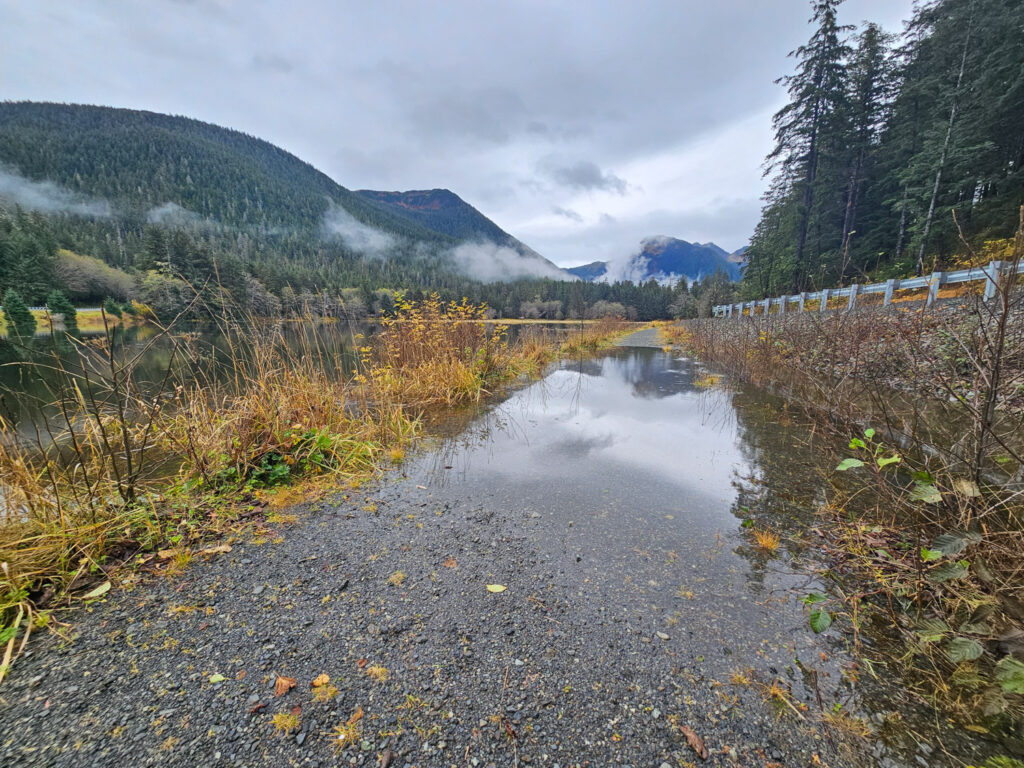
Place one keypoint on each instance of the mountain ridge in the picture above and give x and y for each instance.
(665, 259)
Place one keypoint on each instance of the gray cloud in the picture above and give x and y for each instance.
(567, 213)
(583, 175)
(475, 97)
(48, 197)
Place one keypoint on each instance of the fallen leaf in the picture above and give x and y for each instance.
(422, 487)
(220, 549)
(297, 710)
(451, 563)
(218, 678)
(240, 675)
(166, 554)
(256, 707)
(362, 663)
(496, 587)
(283, 684)
(356, 716)
(100, 591)
(321, 680)
(695, 741)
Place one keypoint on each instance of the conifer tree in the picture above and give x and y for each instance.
(21, 323)
(59, 304)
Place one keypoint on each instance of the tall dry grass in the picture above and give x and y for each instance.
(926, 406)
(119, 467)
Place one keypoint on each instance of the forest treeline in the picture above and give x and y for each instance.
(893, 147)
(137, 206)
(164, 269)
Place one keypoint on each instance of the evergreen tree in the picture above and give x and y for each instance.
(809, 134)
(21, 323)
(59, 304)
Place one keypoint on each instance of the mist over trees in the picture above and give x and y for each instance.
(885, 139)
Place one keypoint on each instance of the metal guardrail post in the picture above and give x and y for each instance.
(803, 299)
(824, 299)
(934, 283)
(992, 279)
(767, 306)
(782, 304)
(854, 290)
(890, 286)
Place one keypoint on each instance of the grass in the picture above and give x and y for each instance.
(767, 541)
(285, 722)
(925, 516)
(120, 471)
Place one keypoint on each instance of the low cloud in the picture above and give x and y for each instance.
(490, 262)
(567, 213)
(172, 214)
(358, 237)
(583, 175)
(47, 197)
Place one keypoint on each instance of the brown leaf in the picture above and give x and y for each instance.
(362, 663)
(256, 707)
(321, 680)
(451, 563)
(241, 674)
(297, 710)
(356, 716)
(695, 741)
(283, 684)
(220, 549)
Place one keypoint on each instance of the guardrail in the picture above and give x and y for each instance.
(932, 282)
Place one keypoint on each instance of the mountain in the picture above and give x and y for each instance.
(117, 171)
(665, 259)
(444, 212)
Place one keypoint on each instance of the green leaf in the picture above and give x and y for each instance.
(978, 628)
(7, 633)
(926, 492)
(932, 630)
(928, 555)
(813, 598)
(100, 591)
(949, 571)
(1010, 674)
(846, 464)
(747, 523)
(884, 462)
(954, 542)
(820, 620)
(218, 678)
(963, 649)
(923, 477)
(869, 433)
(857, 443)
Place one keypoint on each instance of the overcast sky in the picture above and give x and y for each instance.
(580, 127)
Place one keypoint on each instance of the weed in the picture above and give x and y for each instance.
(377, 673)
(767, 541)
(324, 693)
(285, 722)
(397, 579)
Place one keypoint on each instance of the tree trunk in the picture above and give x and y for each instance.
(945, 145)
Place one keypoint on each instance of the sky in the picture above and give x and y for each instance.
(580, 127)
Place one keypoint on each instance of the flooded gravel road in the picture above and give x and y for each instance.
(615, 501)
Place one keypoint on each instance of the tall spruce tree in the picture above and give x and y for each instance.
(21, 323)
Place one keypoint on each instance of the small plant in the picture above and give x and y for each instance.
(767, 541)
(324, 693)
(377, 673)
(397, 578)
(347, 734)
(285, 722)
